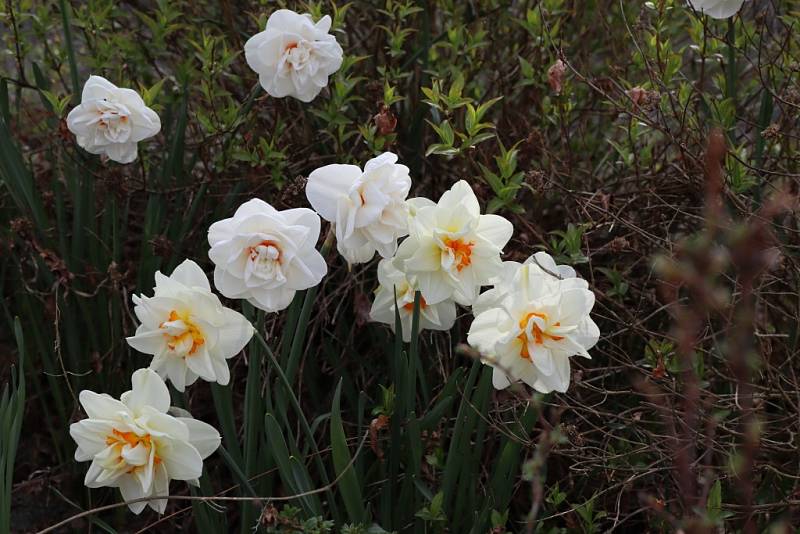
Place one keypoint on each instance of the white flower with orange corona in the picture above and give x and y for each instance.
(394, 284)
(294, 56)
(111, 120)
(187, 329)
(265, 255)
(452, 250)
(136, 446)
(368, 208)
(532, 322)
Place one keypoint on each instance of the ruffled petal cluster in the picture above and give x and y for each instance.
(264, 255)
(452, 249)
(368, 208)
(111, 120)
(293, 56)
(136, 446)
(187, 329)
(395, 287)
(533, 320)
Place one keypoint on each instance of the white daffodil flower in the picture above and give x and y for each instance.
(452, 250)
(293, 56)
(717, 9)
(187, 329)
(134, 445)
(531, 322)
(265, 255)
(439, 316)
(111, 120)
(368, 208)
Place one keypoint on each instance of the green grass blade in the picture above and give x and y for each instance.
(73, 65)
(12, 409)
(289, 470)
(349, 487)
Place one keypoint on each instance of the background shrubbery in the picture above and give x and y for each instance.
(687, 417)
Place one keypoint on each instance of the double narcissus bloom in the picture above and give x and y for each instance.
(135, 445)
(111, 120)
(393, 283)
(452, 250)
(717, 9)
(367, 208)
(293, 56)
(530, 324)
(187, 329)
(265, 255)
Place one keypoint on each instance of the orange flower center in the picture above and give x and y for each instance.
(120, 439)
(192, 332)
(461, 250)
(409, 306)
(538, 334)
(268, 249)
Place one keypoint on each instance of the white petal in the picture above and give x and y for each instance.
(486, 328)
(204, 437)
(131, 489)
(460, 199)
(97, 88)
(426, 257)
(306, 218)
(574, 305)
(382, 310)
(587, 334)
(160, 489)
(272, 300)
(499, 379)
(182, 461)
(255, 206)
(542, 359)
(495, 229)
(190, 274)
(327, 184)
(307, 270)
(175, 371)
(446, 315)
(122, 152)
(466, 287)
(136, 455)
(434, 287)
(148, 389)
(416, 204)
(718, 9)
(234, 334)
(101, 405)
(151, 342)
(229, 285)
(90, 435)
(557, 381)
(165, 424)
(200, 363)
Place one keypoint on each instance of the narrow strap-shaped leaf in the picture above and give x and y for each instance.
(349, 487)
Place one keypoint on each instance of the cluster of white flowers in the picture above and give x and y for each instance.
(134, 443)
(261, 254)
(527, 326)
